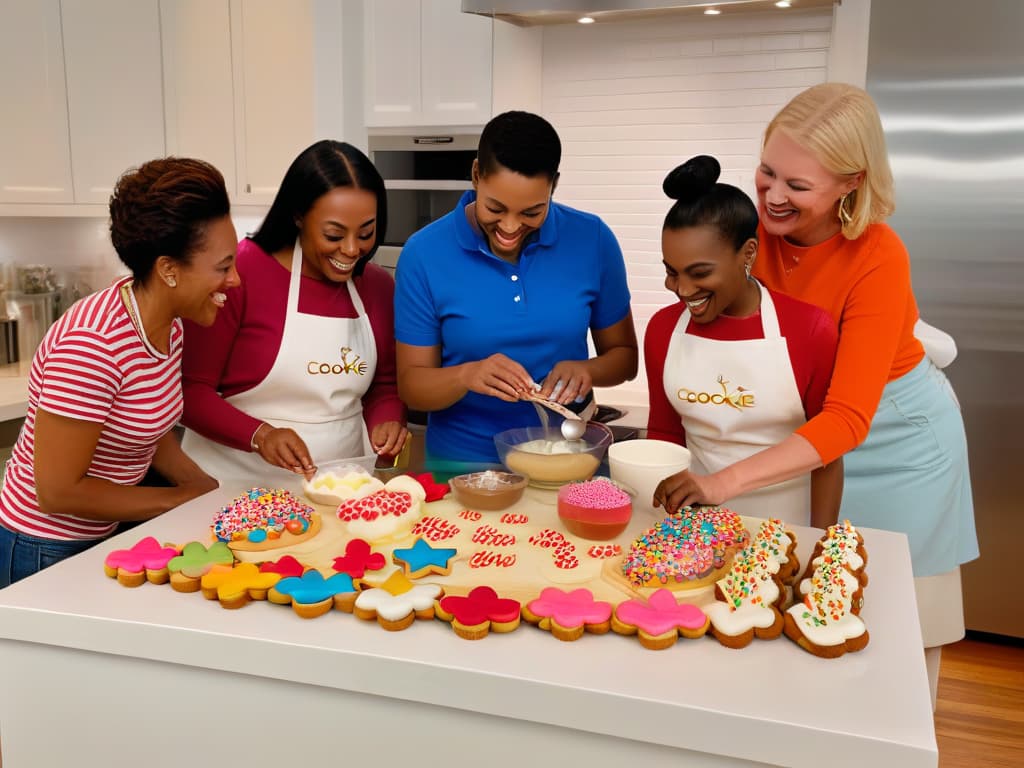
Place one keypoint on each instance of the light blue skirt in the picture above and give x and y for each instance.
(911, 474)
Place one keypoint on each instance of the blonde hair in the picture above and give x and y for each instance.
(840, 126)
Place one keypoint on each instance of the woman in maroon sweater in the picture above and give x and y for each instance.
(300, 366)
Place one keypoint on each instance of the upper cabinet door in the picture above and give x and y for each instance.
(272, 51)
(456, 65)
(115, 98)
(198, 92)
(392, 60)
(35, 162)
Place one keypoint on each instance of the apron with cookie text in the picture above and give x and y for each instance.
(323, 368)
(734, 399)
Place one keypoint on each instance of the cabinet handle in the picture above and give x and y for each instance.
(248, 188)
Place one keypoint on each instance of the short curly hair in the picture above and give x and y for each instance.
(162, 208)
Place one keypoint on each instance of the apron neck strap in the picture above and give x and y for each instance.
(296, 278)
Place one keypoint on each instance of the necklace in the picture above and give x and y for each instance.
(128, 298)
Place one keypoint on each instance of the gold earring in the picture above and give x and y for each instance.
(845, 217)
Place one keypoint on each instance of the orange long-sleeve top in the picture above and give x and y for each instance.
(865, 285)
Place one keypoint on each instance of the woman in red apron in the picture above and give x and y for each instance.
(300, 366)
(734, 368)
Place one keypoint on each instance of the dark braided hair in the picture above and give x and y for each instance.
(162, 208)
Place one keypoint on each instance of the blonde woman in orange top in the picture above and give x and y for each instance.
(824, 189)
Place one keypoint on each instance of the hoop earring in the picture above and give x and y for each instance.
(845, 216)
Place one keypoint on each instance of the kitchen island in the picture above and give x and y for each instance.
(98, 674)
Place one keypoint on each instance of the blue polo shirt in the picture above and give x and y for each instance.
(452, 292)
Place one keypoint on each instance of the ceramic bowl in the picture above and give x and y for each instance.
(642, 464)
(338, 481)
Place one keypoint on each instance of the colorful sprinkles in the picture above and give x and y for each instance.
(260, 514)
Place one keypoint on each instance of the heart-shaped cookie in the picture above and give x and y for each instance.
(381, 514)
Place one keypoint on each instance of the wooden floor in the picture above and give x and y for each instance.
(979, 715)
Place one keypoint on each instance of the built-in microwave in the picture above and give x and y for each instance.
(425, 174)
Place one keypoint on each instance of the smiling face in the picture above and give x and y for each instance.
(338, 230)
(509, 206)
(703, 270)
(797, 197)
(201, 283)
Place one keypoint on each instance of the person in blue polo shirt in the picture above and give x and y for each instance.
(501, 293)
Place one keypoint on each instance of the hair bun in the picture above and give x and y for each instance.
(693, 179)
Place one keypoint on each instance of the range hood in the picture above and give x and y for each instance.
(528, 13)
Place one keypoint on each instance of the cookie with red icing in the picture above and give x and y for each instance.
(387, 513)
(145, 561)
(568, 614)
(478, 613)
(358, 559)
(659, 620)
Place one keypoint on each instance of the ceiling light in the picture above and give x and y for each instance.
(585, 20)
(783, 4)
(711, 11)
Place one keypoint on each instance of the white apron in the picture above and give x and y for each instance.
(736, 398)
(323, 368)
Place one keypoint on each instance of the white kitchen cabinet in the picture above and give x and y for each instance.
(114, 95)
(198, 91)
(35, 157)
(427, 63)
(238, 88)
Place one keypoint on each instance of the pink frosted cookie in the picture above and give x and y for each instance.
(145, 561)
(659, 620)
(481, 611)
(568, 614)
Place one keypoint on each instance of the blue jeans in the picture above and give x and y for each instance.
(22, 555)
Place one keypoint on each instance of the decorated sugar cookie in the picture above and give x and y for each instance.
(421, 559)
(145, 561)
(195, 560)
(311, 595)
(264, 518)
(286, 566)
(397, 602)
(567, 615)
(358, 559)
(749, 600)
(478, 613)
(824, 623)
(659, 620)
(235, 586)
(387, 513)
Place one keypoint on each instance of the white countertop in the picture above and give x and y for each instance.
(770, 701)
(14, 390)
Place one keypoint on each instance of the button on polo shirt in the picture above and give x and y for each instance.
(453, 292)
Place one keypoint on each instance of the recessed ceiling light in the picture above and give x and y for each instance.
(783, 4)
(585, 20)
(711, 11)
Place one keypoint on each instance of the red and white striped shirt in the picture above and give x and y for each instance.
(95, 366)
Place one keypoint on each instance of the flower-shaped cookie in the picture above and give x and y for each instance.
(434, 490)
(196, 560)
(659, 620)
(286, 566)
(312, 595)
(234, 587)
(474, 615)
(568, 614)
(358, 559)
(146, 560)
(397, 602)
(421, 559)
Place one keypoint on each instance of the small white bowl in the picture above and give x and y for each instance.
(642, 464)
(324, 489)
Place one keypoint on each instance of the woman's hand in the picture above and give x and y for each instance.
(684, 489)
(568, 380)
(497, 376)
(282, 447)
(388, 438)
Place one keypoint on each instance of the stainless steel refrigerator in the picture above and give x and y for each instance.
(949, 81)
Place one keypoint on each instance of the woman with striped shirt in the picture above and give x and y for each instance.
(105, 383)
